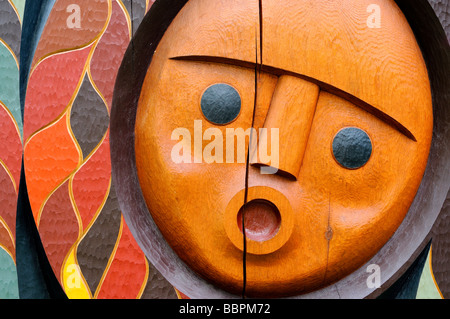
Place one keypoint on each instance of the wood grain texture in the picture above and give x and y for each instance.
(414, 233)
(230, 32)
(291, 112)
(186, 229)
(379, 66)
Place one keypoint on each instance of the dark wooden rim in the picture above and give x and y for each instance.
(393, 259)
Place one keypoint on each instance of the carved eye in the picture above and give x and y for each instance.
(221, 104)
(352, 148)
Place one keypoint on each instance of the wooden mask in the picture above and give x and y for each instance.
(345, 105)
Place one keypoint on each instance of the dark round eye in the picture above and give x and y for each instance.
(221, 104)
(352, 147)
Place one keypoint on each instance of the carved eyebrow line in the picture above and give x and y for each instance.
(323, 86)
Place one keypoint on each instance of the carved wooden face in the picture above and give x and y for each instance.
(347, 108)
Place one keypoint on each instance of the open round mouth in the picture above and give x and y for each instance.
(262, 220)
(267, 218)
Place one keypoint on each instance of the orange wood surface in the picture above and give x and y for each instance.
(320, 69)
(291, 112)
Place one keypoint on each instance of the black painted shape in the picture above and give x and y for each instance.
(352, 147)
(89, 118)
(35, 275)
(406, 287)
(221, 104)
(10, 28)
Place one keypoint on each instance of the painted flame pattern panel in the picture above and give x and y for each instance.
(66, 149)
(11, 13)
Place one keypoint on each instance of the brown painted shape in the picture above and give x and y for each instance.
(58, 36)
(58, 227)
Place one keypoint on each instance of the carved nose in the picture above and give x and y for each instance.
(290, 115)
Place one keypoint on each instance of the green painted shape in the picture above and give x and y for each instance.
(221, 104)
(9, 85)
(352, 147)
(20, 6)
(9, 287)
(427, 287)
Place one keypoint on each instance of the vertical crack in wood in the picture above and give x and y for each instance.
(260, 37)
(258, 67)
